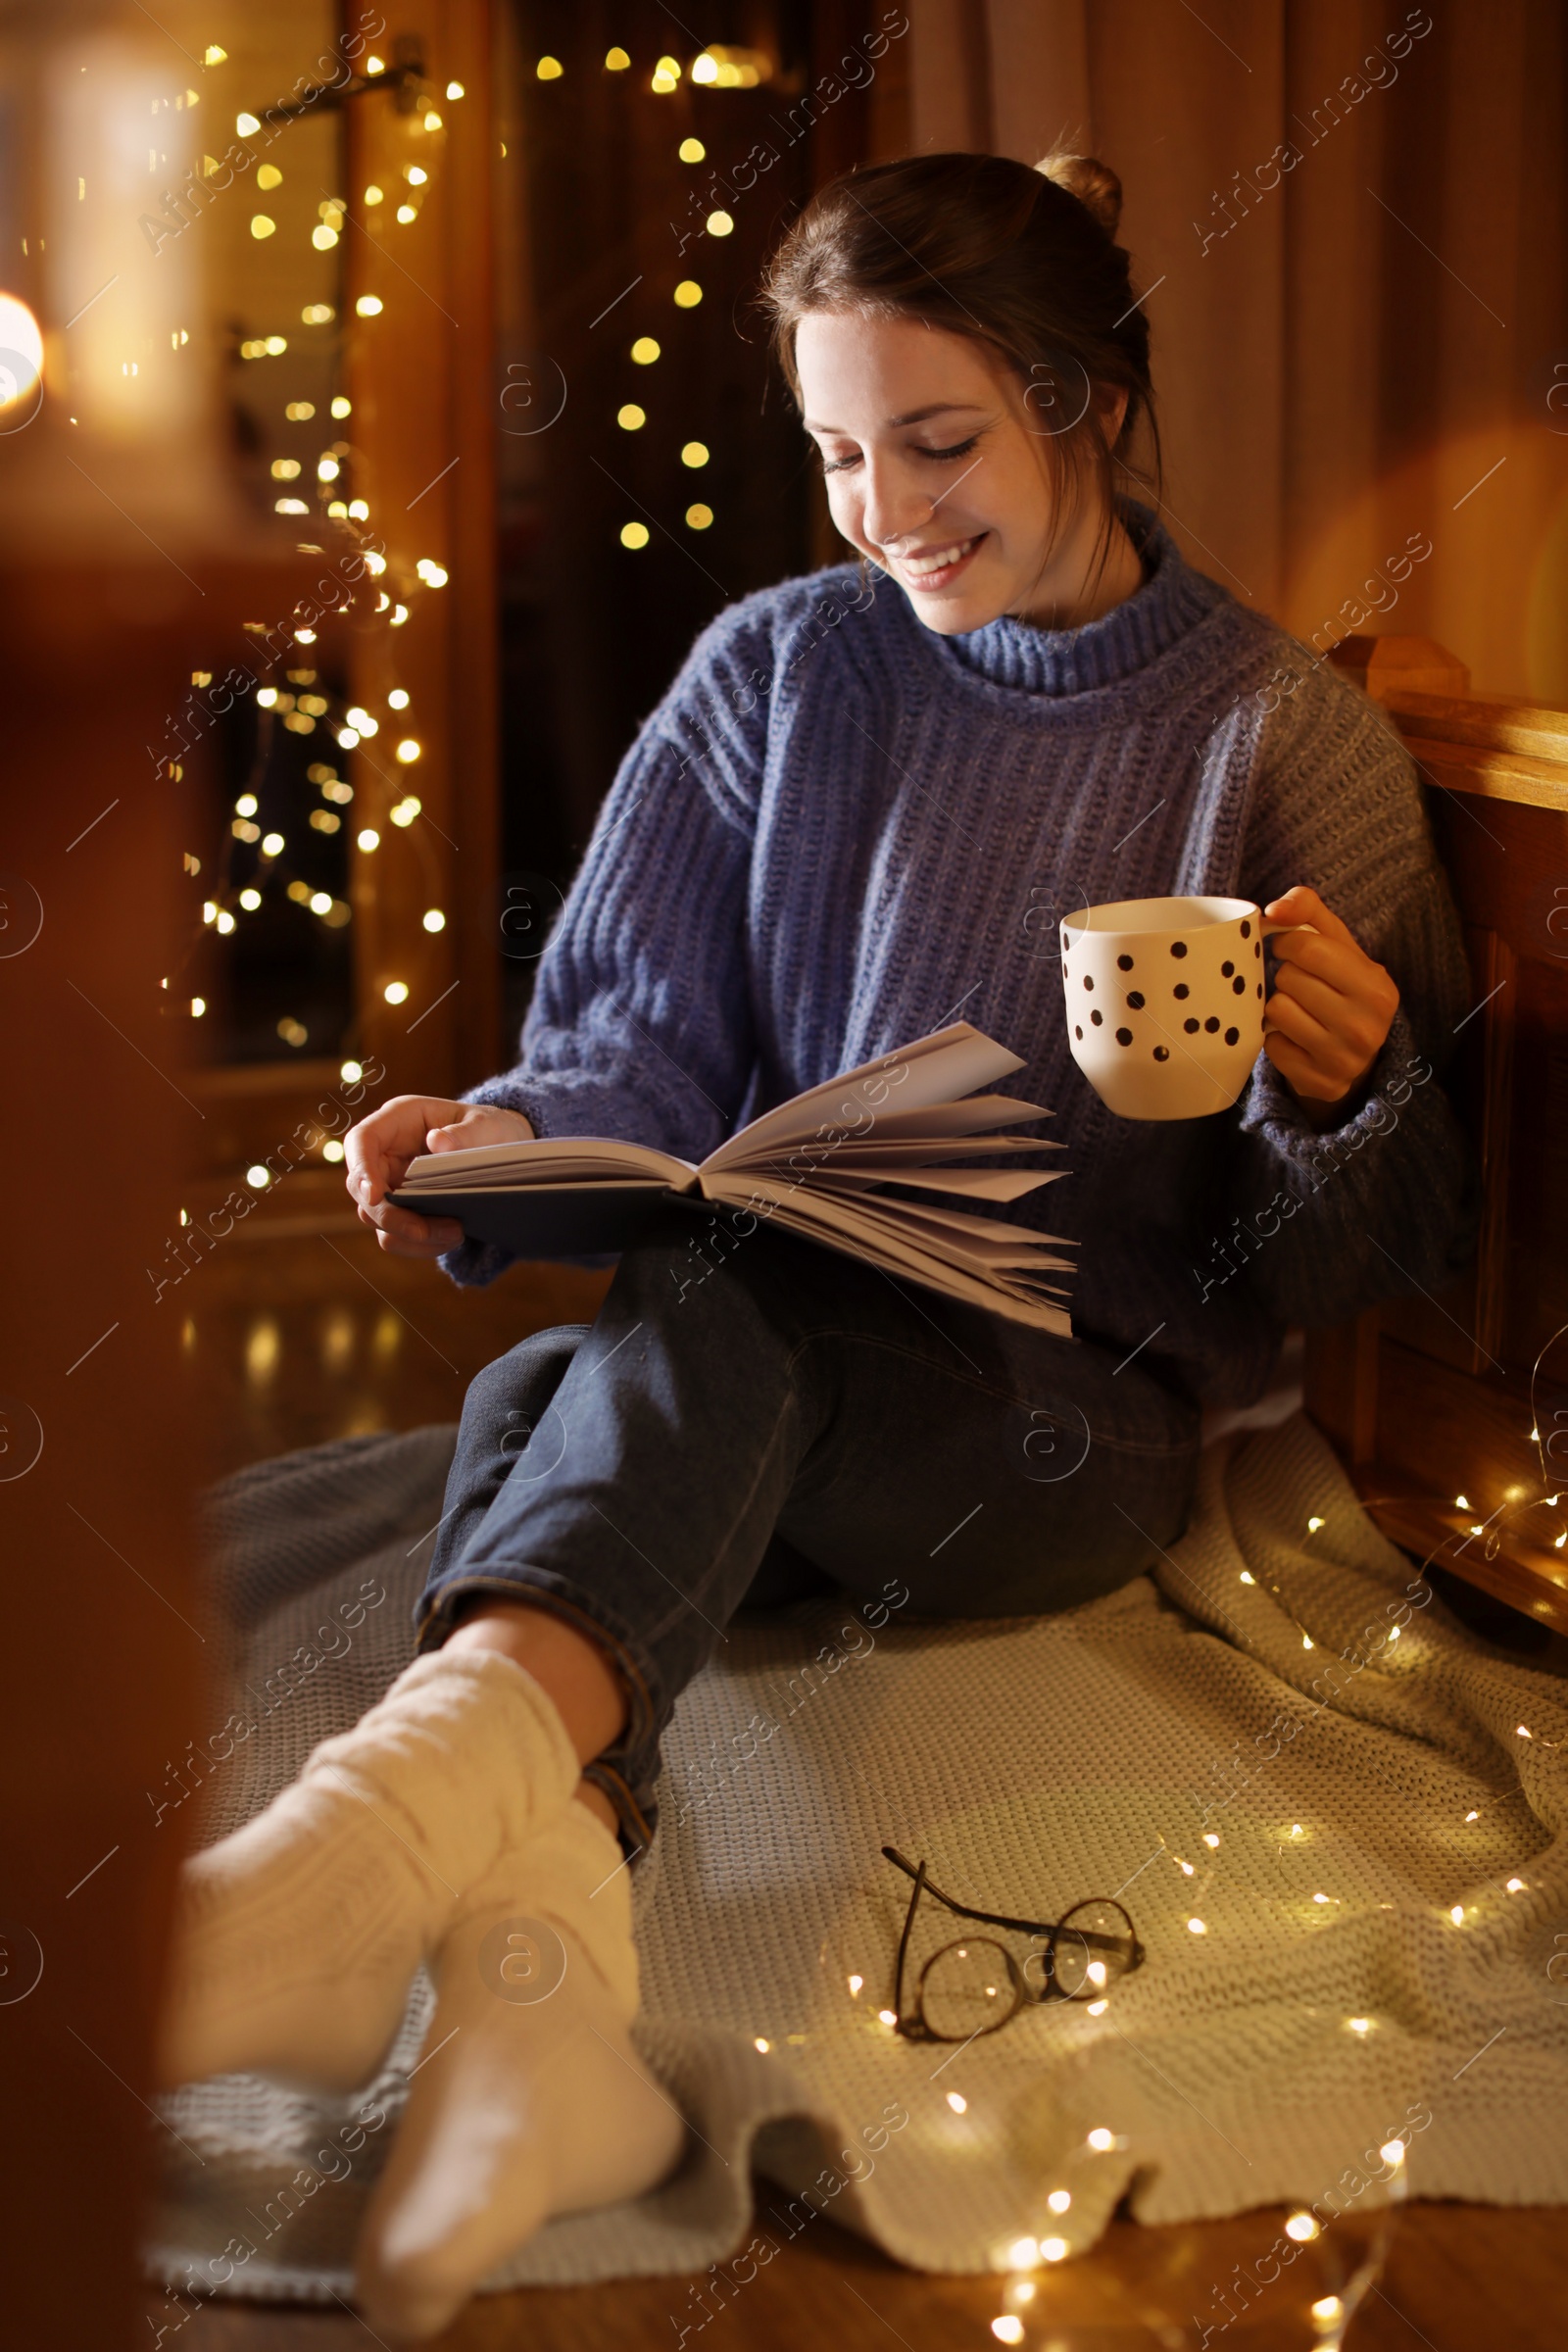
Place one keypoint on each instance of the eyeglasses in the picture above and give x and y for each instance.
(976, 1985)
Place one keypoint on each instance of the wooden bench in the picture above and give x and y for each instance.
(1450, 1412)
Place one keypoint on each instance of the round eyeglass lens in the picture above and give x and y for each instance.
(1094, 1947)
(969, 1988)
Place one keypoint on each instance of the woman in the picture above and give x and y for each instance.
(859, 813)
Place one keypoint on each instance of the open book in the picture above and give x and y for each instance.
(845, 1164)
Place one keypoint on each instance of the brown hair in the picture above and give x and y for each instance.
(1022, 261)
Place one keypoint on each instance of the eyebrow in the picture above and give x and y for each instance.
(938, 408)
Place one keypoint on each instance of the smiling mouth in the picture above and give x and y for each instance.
(932, 568)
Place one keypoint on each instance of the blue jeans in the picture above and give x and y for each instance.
(789, 1422)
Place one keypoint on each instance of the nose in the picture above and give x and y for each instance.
(895, 506)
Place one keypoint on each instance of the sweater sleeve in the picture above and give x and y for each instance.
(1384, 1198)
(640, 1028)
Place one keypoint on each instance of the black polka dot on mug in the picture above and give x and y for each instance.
(1124, 1037)
(1239, 985)
(1097, 1017)
(1181, 989)
(1231, 1036)
(1135, 1000)
(1077, 1032)
(1226, 969)
(1247, 930)
(1162, 1053)
(1124, 964)
(1212, 1024)
(1191, 1026)
(1178, 946)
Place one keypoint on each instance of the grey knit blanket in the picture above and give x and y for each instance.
(1333, 1816)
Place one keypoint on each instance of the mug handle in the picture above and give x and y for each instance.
(1267, 927)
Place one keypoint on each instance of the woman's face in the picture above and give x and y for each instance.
(935, 469)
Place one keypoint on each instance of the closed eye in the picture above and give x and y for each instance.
(960, 449)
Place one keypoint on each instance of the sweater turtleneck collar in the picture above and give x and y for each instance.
(1132, 634)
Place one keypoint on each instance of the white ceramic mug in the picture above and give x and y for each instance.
(1165, 1002)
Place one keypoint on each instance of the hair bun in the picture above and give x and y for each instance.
(1094, 184)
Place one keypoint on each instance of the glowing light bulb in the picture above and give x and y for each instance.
(958, 2102)
(1209, 1838)
(351, 1073)
(645, 351)
(1053, 2249)
(855, 1982)
(1302, 2228)
(369, 306)
(1524, 1731)
(634, 534)
(1097, 2008)
(888, 2017)
(1457, 1915)
(434, 919)
(1306, 1641)
(719, 225)
(1461, 1502)
(1514, 1886)
(761, 2043)
(1359, 2025)
(1320, 1898)
(332, 1149)
(1059, 2199)
(1006, 2327)
(1247, 1578)
(1313, 1525)
(1101, 2140)
(396, 992)
(1473, 1815)
(369, 839)
(1196, 1927)
(1185, 1867)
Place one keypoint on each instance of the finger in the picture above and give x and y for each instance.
(1298, 1068)
(435, 1236)
(1329, 1004)
(1287, 1016)
(405, 1225)
(1302, 905)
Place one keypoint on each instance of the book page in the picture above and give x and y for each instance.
(933, 1070)
(539, 1160)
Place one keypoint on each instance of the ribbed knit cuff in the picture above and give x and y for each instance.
(1293, 1125)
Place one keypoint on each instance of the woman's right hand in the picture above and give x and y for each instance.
(378, 1151)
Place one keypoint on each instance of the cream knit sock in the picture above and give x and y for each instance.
(298, 1935)
(530, 2099)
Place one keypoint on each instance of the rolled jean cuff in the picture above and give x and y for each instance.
(615, 1769)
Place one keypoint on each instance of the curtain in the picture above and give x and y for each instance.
(1349, 219)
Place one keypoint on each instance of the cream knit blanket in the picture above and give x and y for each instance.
(1333, 1815)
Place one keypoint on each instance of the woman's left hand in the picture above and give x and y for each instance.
(1332, 1006)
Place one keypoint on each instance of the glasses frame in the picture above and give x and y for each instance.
(915, 2027)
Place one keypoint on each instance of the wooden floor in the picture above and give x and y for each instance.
(306, 1333)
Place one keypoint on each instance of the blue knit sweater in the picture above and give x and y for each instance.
(839, 831)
